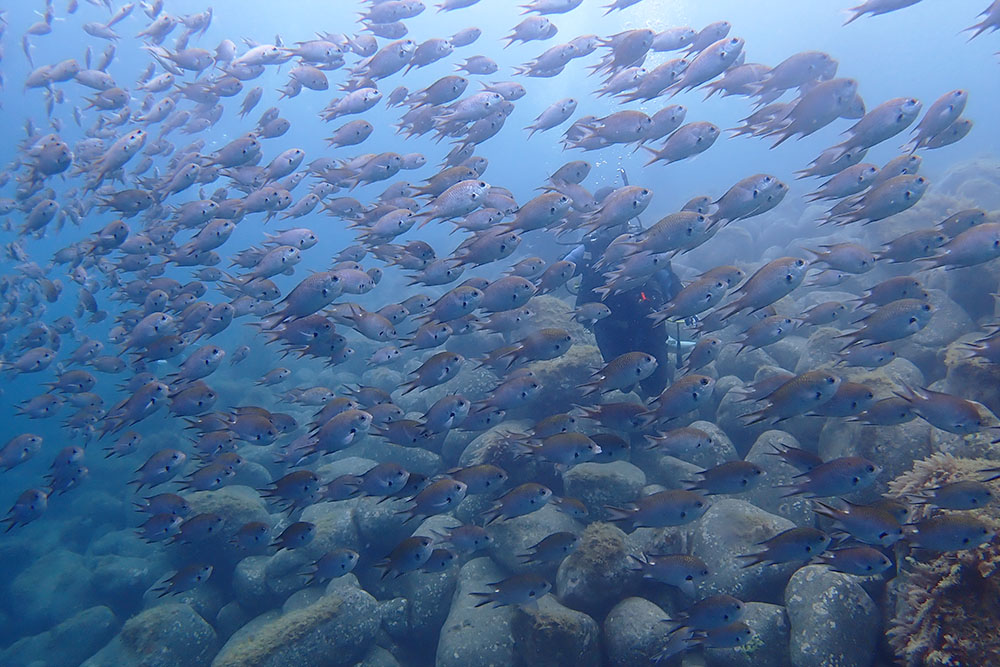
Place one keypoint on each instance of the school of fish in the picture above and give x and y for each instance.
(149, 262)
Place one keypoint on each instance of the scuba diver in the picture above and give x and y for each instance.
(628, 328)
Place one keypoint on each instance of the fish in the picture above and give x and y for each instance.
(729, 477)
(409, 555)
(185, 579)
(871, 524)
(519, 501)
(333, 564)
(950, 532)
(835, 477)
(793, 544)
(962, 495)
(664, 508)
(519, 589)
(623, 372)
(552, 548)
(679, 570)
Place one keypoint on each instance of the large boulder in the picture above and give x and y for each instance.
(335, 628)
(972, 377)
(476, 636)
(60, 575)
(67, 644)
(894, 448)
(561, 378)
(552, 634)
(516, 536)
(122, 580)
(237, 505)
(634, 632)
(599, 573)
(733, 416)
(731, 528)
(767, 648)
(769, 495)
(926, 348)
(170, 635)
(834, 623)
(600, 484)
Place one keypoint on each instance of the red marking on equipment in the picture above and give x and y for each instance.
(642, 296)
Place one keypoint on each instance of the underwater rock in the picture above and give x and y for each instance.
(414, 459)
(551, 311)
(250, 585)
(886, 380)
(787, 351)
(925, 348)
(380, 524)
(634, 632)
(600, 484)
(237, 505)
(513, 537)
(170, 635)
(833, 621)
(495, 447)
(429, 595)
(395, 618)
(335, 528)
(732, 527)
(722, 387)
(67, 644)
(206, 599)
(385, 379)
(732, 417)
(454, 443)
(561, 377)
(720, 451)
(977, 303)
(230, 618)
(422, 598)
(658, 467)
(122, 543)
(61, 575)
(253, 475)
(894, 447)
(122, 580)
(976, 445)
(338, 628)
(768, 495)
(284, 571)
(471, 636)
(347, 465)
(379, 657)
(945, 610)
(599, 573)
(743, 364)
(820, 347)
(262, 581)
(767, 648)
(973, 378)
(552, 634)
(670, 472)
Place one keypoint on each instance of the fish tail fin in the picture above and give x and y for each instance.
(752, 559)
(618, 513)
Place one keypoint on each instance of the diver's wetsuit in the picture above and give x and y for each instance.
(627, 329)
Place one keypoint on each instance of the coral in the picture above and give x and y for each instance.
(946, 610)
